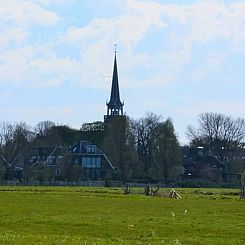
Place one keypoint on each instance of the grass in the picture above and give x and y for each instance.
(73, 215)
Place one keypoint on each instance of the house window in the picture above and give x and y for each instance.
(91, 148)
(89, 162)
(98, 162)
(91, 167)
(51, 160)
(84, 162)
(93, 162)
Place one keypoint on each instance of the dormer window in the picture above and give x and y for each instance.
(91, 149)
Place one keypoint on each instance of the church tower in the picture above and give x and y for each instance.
(114, 106)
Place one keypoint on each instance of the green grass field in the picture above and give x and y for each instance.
(72, 215)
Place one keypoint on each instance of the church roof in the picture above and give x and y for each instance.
(115, 101)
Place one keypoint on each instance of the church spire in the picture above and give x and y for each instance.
(115, 106)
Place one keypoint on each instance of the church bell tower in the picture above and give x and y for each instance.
(114, 106)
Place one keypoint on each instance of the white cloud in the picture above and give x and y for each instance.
(16, 20)
(209, 21)
(212, 63)
(234, 108)
(127, 29)
(53, 2)
(31, 115)
(12, 35)
(35, 67)
(26, 13)
(6, 95)
(185, 26)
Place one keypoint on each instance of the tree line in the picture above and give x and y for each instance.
(143, 149)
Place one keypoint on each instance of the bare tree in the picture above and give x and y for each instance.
(157, 147)
(15, 139)
(6, 137)
(43, 127)
(6, 132)
(146, 130)
(220, 133)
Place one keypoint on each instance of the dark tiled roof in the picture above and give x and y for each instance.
(81, 148)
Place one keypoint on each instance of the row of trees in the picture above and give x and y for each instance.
(18, 139)
(143, 149)
(223, 136)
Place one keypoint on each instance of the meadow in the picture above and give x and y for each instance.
(83, 215)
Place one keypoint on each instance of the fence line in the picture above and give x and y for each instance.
(62, 183)
(102, 183)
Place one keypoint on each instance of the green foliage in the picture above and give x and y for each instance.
(158, 148)
(68, 135)
(40, 173)
(94, 126)
(57, 135)
(70, 171)
(93, 132)
(168, 156)
(101, 216)
(118, 146)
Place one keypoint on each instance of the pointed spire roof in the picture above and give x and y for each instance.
(115, 101)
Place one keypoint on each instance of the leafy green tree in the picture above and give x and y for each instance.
(69, 170)
(158, 148)
(68, 136)
(118, 146)
(39, 173)
(58, 135)
(93, 132)
(168, 165)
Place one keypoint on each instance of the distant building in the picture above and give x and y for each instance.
(200, 163)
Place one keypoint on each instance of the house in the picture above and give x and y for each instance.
(200, 163)
(91, 160)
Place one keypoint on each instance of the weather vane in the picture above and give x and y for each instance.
(115, 45)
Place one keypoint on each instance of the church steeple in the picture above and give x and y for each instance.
(115, 106)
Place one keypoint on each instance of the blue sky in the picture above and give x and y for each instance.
(175, 58)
